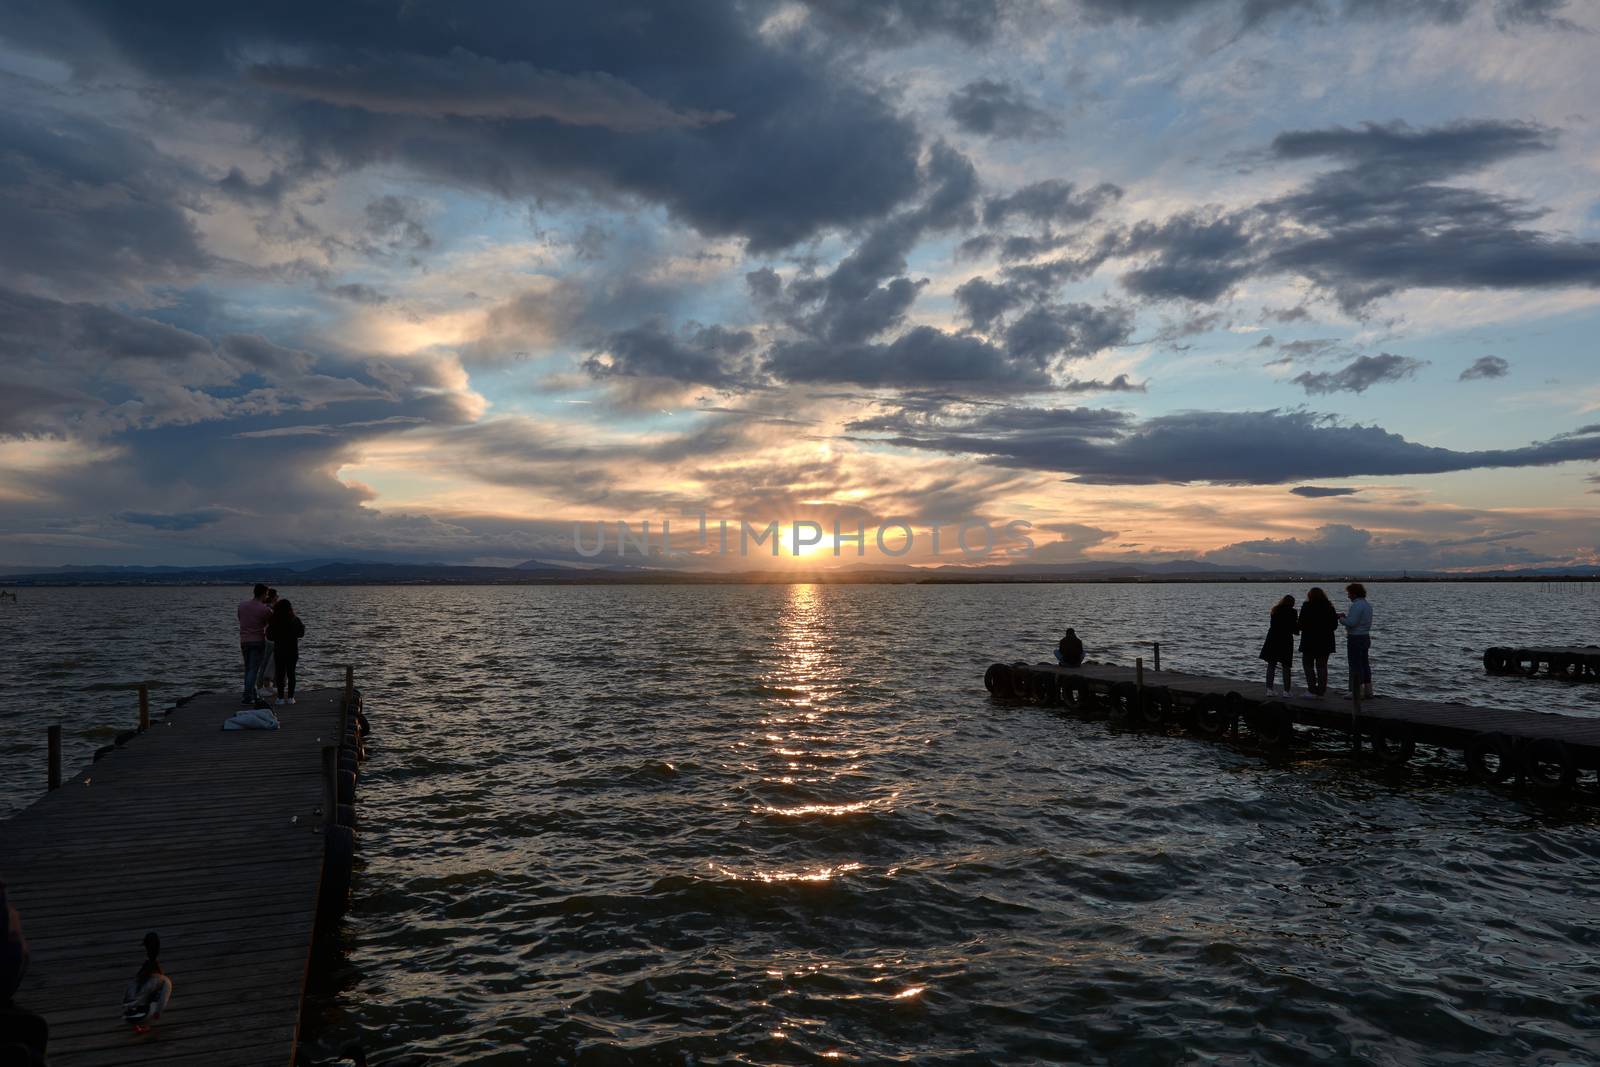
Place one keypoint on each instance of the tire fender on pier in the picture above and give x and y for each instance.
(1491, 758)
(1123, 701)
(997, 679)
(1213, 715)
(1525, 662)
(1547, 765)
(1159, 706)
(1271, 724)
(1392, 744)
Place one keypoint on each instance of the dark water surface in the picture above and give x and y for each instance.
(666, 825)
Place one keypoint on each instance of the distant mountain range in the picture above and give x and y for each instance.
(539, 572)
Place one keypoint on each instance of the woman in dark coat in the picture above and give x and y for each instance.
(1278, 649)
(1318, 623)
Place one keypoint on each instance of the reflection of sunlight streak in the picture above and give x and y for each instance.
(915, 990)
(877, 804)
(822, 874)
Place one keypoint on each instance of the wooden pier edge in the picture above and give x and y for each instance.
(1543, 750)
(233, 845)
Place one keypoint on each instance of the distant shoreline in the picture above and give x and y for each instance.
(810, 578)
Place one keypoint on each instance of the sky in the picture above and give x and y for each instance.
(1280, 283)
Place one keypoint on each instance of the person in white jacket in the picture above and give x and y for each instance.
(1357, 623)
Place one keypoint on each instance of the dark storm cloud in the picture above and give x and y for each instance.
(901, 21)
(34, 327)
(395, 223)
(1067, 331)
(921, 358)
(182, 520)
(999, 109)
(90, 210)
(698, 135)
(1381, 222)
(1359, 375)
(460, 84)
(1486, 367)
(1051, 202)
(702, 355)
(1508, 13)
(1395, 153)
(1106, 447)
(359, 293)
(1317, 492)
(1195, 256)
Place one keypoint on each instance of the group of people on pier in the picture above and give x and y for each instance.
(1316, 622)
(269, 641)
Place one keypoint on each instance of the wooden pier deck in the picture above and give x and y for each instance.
(211, 838)
(1545, 749)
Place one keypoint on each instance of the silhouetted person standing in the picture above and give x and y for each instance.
(1278, 648)
(253, 618)
(1358, 638)
(1318, 622)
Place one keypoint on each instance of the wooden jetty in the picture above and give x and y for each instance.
(1545, 751)
(1571, 663)
(214, 839)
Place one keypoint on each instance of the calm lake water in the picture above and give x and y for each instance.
(786, 825)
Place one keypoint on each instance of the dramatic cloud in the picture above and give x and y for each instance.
(1486, 367)
(486, 97)
(1052, 201)
(899, 21)
(1342, 547)
(999, 109)
(705, 355)
(462, 85)
(1359, 375)
(1381, 222)
(1317, 492)
(89, 210)
(1233, 448)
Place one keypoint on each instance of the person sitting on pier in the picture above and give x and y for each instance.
(1069, 652)
(253, 618)
(1278, 648)
(1357, 624)
(23, 1035)
(1318, 622)
(147, 995)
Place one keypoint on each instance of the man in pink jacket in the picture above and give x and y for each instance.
(253, 618)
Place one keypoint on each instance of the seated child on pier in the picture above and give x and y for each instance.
(1069, 652)
(147, 995)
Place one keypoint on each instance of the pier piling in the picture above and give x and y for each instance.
(144, 707)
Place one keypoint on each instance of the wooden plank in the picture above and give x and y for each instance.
(188, 830)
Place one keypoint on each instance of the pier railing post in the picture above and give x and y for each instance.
(1157, 665)
(144, 707)
(53, 776)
